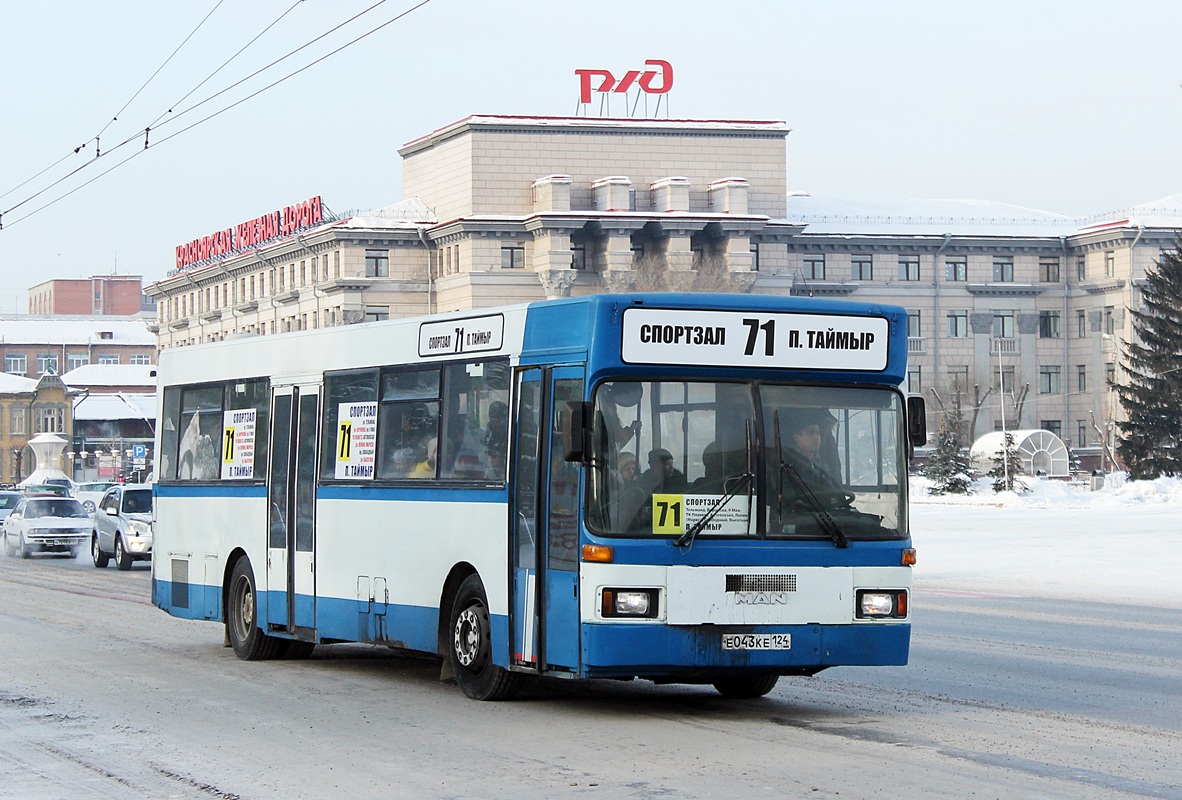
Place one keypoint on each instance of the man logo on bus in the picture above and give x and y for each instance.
(610, 84)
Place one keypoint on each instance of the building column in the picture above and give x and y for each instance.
(616, 270)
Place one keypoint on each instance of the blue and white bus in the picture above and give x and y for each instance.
(595, 487)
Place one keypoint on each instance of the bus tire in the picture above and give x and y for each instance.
(746, 686)
(242, 624)
(470, 647)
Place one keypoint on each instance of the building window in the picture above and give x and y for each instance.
(1003, 324)
(1081, 378)
(16, 365)
(754, 257)
(958, 378)
(377, 313)
(109, 359)
(1048, 269)
(1110, 320)
(143, 360)
(1081, 323)
(1007, 379)
(47, 363)
(18, 422)
(1110, 264)
(73, 361)
(814, 267)
(50, 420)
(1003, 269)
(958, 324)
(1081, 268)
(578, 256)
(1081, 433)
(1048, 379)
(377, 264)
(908, 268)
(1110, 374)
(914, 380)
(1048, 324)
(512, 257)
(956, 268)
(1055, 426)
(863, 268)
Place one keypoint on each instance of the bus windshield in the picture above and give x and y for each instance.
(755, 459)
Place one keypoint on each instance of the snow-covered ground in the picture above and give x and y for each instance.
(1121, 544)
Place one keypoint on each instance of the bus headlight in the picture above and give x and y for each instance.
(881, 604)
(629, 603)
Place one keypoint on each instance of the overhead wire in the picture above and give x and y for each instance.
(96, 137)
(221, 111)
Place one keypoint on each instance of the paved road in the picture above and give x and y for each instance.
(104, 696)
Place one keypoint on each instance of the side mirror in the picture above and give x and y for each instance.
(112, 512)
(575, 435)
(917, 421)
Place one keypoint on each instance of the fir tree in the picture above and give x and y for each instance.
(1151, 397)
(948, 465)
(1007, 467)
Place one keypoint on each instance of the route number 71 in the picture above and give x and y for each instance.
(754, 327)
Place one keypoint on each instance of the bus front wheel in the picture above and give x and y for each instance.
(246, 637)
(470, 648)
(746, 686)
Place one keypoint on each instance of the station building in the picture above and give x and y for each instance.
(1011, 312)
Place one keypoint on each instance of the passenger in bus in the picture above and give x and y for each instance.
(662, 477)
(621, 395)
(426, 467)
(714, 464)
(805, 432)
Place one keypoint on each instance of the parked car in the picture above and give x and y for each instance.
(47, 524)
(89, 494)
(123, 526)
(8, 501)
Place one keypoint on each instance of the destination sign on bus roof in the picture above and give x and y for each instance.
(754, 339)
(470, 335)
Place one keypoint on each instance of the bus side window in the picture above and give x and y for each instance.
(475, 438)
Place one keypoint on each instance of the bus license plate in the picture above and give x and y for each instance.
(757, 641)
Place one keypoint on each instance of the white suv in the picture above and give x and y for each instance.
(123, 526)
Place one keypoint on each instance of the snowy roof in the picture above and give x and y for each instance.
(681, 126)
(936, 217)
(110, 375)
(119, 405)
(13, 384)
(20, 329)
(403, 214)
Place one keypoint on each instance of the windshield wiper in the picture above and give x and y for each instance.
(743, 479)
(827, 523)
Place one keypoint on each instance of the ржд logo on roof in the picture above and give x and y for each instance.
(609, 83)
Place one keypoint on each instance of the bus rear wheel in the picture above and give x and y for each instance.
(242, 625)
(470, 648)
(746, 686)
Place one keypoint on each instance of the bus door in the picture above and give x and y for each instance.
(546, 524)
(291, 496)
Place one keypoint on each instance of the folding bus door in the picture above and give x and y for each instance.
(291, 495)
(546, 495)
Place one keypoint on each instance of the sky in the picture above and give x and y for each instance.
(1072, 107)
(1121, 544)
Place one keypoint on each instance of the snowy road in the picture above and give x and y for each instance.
(104, 696)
